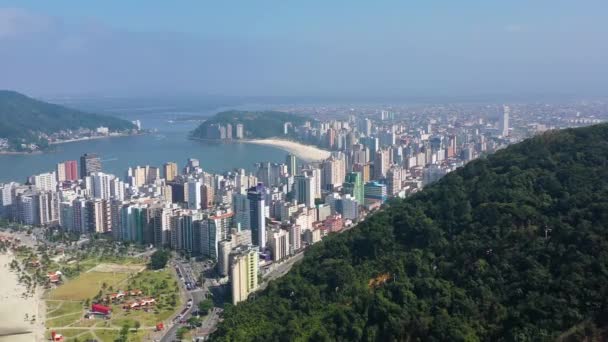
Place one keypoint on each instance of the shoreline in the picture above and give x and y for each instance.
(307, 153)
(15, 306)
(67, 142)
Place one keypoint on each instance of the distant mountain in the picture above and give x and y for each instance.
(512, 247)
(256, 125)
(27, 120)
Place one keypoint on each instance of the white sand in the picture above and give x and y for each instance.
(15, 306)
(305, 152)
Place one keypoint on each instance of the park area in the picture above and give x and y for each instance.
(138, 299)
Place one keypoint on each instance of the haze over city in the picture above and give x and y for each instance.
(353, 49)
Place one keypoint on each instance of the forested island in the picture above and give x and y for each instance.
(248, 124)
(28, 125)
(510, 247)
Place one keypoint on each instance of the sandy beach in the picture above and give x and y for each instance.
(13, 325)
(305, 152)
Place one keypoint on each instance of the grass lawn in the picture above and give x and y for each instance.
(65, 303)
(52, 305)
(108, 335)
(157, 284)
(86, 285)
(63, 320)
(65, 307)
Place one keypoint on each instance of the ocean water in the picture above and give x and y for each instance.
(169, 142)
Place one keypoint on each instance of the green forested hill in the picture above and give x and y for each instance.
(265, 124)
(23, 118)
(509, 248)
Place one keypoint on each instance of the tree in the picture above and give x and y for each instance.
(204, 306)
(158, 260)
(193, 322)
(181, 332)
(124, 333)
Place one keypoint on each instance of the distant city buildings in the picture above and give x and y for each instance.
(252, 221)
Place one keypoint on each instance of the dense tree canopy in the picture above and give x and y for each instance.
(264, 124)
(23, 118)
(159, 259)
(511, 247)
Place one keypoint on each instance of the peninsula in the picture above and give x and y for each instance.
(28, 125)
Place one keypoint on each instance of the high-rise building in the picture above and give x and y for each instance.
(375, 191)
(236, 238)
(257, 216)
(504, 121)
(192, 166)
(228, 131)
(304, 190)
(89, 163)
(98, 184)
(349, 207)
(393, 181)
(240, 207)
(353, 185)
(194, 194)
(170, 171)
(141, 175)
(381, 163)
(182, 232)
(291, 164)
(279, 244)
(67, 171)
(207, 196)
(240, 131)
(332, 172)
(45, 181)
(215, 229)
(243, 272)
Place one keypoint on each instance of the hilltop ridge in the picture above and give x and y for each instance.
(25, 122)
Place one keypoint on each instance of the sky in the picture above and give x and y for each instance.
(304, 48)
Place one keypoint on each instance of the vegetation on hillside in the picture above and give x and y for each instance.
(24, 119)
(512, 247)
(257, 125)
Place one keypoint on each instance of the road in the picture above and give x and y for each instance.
(186, 275)
(280, 270)
(211, 320)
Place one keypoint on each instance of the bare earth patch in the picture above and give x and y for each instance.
(116, 268)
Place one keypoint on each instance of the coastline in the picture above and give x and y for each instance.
(307, 153)
(13, 326)
(59, 142)
(91, 138)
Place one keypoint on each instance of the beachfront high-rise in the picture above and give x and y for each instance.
(240, 131)
(67, 171)
(170, 171)
(89, 163)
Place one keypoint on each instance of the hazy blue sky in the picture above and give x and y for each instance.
(348, 48)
